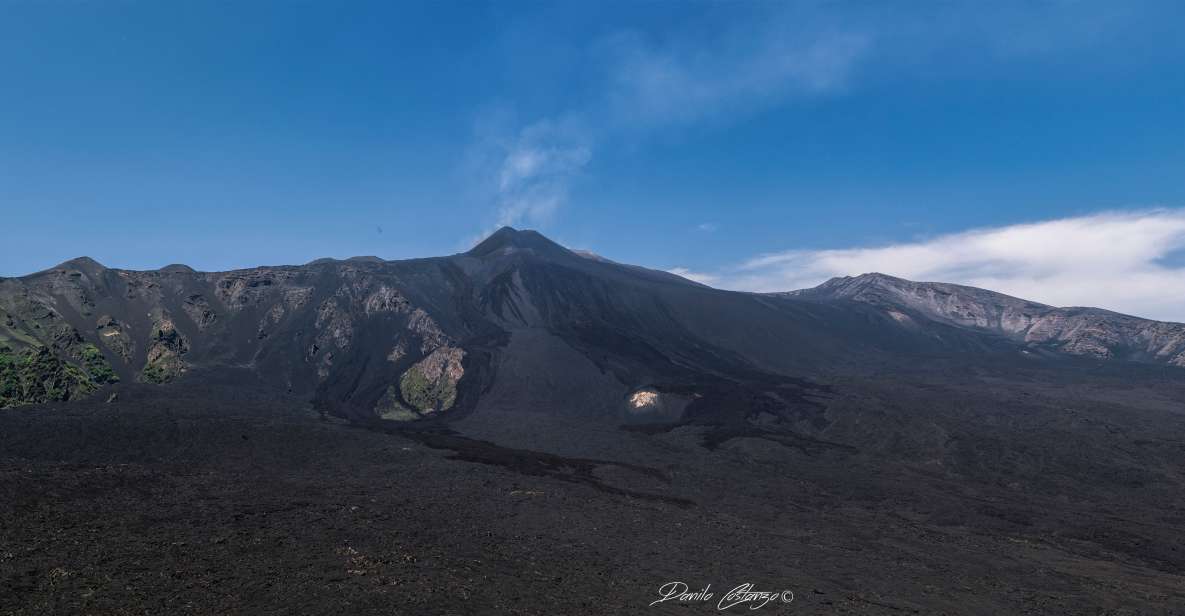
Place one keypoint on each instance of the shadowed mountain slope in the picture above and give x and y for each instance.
(411, 339)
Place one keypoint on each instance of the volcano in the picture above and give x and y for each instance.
(455, 434)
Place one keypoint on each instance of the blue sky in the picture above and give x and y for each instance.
(702, 137)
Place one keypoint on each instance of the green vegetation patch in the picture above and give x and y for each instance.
(162, 370)
(428, 396)
(34, 376)
(389, 407)
(97, 366)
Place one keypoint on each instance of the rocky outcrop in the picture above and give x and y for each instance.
(430, 386)
(304, 328)
(965, 306)
(651, 404)
(431, 336)
(115, 336)
(398, 352)
(237, 290)
(335, 329)
(199, 311)
(165, 351)
(43, 357)
(385, 299)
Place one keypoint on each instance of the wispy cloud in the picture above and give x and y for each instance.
(526, 172)
(655, 85)
(645, 85)
(700, 277)
(633, 84)
(535, 173)
(1125, 261)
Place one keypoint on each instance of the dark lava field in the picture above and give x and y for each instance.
(985, 491)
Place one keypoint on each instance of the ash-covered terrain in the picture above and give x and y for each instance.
(524, 429)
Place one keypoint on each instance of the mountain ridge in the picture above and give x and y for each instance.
(423, 338)
(1076, 330)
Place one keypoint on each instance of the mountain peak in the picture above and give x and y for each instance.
(844, 286)
(870, 278)
(879, 277)
(508, 240)
(85, 264)
(177, 268)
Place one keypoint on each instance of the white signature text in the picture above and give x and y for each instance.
(741, 596)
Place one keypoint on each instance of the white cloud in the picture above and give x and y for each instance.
(700, 277)
(1121, 261)
(707, 227)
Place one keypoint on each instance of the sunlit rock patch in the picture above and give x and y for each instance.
(430, 385)
(645, 400)
(398, 352)
(385, 299)
(165, 349)
(431, 337)
(900, 317)
(114, 336)
(650, 404)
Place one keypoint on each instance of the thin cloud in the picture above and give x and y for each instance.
(750, 68)
(700, 277)
(526, 172)
(1121, 261)
(647, 86)
(720, 72)
(535, 175)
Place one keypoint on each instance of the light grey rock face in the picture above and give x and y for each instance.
(1076, 331)
(952, 303)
